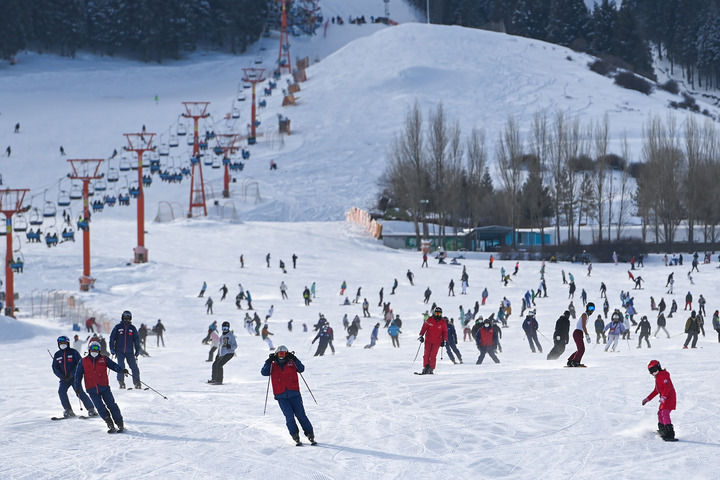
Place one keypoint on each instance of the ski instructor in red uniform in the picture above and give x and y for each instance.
(434, 333)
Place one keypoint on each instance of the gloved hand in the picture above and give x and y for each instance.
(442, 344)
(271, 357)
(662, 399)
(125, 372)
(587, 337)
(645, 400)
(421, 339)
(290, 356)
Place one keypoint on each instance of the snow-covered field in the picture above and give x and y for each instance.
(525, 418)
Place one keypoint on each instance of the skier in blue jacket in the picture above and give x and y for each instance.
(125, 344)
(65, 361)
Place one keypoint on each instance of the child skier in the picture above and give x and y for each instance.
(664, 387)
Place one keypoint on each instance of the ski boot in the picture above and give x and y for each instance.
(68, 413)
(311, 439)
(120, 427)
(110, 425)
(92, 413)
(669, 435)
(122, 385)
(138, 386)
(296, 438)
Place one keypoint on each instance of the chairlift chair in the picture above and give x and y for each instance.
(100, 185)
(49, 209)
(110, 199)
(21, 223)
(163, 150)
(208, 161)
(181, 129)
(235, 112)
(241, 96)
(76, 192)
(35, 217)
(113, 175)
(68, 234)
(134, 189)
(18, 262)
(216, 162)
(63, 199)
(125, 164)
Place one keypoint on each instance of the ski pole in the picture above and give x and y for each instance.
(267, 392)
(416, 353)
(151, 388)
(308, 387)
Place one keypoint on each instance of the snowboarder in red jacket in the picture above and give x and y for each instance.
(434, 333)
(664, 387)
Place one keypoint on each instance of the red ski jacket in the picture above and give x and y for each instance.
(285, 378)
(434, 330)
(95, 371)
(486, 337)
(664, 386)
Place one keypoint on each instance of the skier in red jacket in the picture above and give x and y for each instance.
(664, 387)
(434, 333)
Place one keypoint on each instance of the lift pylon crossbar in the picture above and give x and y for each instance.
(11, 202)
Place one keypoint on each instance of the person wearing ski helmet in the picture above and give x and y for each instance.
(283, 367)
(65, 362)
(581, 328)
(228, 344)
(485, 341)
(93, 368)
(664, 387)
(434, 333)
(125, 344)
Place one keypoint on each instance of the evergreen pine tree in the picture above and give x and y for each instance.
(568, 22)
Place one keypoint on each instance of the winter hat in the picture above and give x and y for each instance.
(226, 326)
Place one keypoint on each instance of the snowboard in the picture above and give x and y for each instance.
(577, 366)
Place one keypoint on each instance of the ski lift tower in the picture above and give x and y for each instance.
(196, 111)
(253, 76)
(140, 143)
(284, 53)
(226, 141)
(86, 169)
(11, 200)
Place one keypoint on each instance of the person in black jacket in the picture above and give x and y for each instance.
(645, 328)
(530, 327)
(661, 322)
(600, 329)
(451, 344)
(561, 336)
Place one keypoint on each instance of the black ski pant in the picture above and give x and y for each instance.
(210, 355)
(718, 330)
(646, 336)
(600, 334)
(691, 336)
(217, 367)
(557, 350)
(668, 335)
(396, 340)
(322, 346)
(451, 347)
(532, 338)
(486, 350)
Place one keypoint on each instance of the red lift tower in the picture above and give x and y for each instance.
(11, 200)
(253, 76)
(196, 111)
(140, 143)
(284, 53)
(226, 141)
(85, 169)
